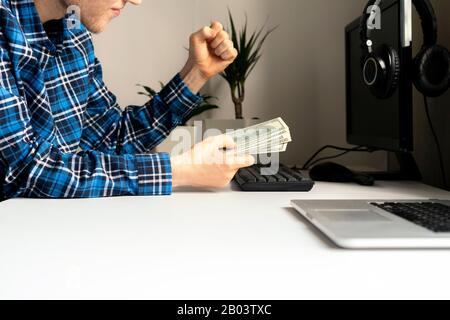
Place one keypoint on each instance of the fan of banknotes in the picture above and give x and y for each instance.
(269, 137)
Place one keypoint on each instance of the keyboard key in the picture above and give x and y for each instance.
(433, 216)
(256, 173)
(286, 179)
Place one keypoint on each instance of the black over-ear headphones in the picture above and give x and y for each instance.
(381, 66)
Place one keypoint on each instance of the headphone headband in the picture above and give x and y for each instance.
(427, 18)
(428, 21)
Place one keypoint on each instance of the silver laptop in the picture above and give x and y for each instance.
(369, 224)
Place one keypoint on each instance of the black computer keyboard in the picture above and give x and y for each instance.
(284, 179)
(433, 216)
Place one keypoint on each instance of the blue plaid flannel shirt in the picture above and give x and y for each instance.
(62, 133)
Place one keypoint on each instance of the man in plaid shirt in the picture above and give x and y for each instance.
(62, 133)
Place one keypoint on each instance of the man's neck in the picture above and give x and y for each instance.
(50, 9)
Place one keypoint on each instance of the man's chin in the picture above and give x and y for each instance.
(96, 27)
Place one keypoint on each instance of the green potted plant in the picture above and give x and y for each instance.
(206, 105)
(249, 53)
(186, 132)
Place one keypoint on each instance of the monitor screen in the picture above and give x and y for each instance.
(373, 122)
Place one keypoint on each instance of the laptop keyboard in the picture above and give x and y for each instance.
(433, 216)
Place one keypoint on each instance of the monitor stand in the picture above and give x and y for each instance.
(408, 169)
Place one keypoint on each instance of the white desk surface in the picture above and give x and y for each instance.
(205, 245)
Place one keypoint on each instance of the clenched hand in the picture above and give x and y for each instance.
(211, 51)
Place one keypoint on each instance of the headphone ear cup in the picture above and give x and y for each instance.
(395, 71)
(432, 71)
(386, 74)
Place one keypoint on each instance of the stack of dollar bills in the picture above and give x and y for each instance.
(269, 137)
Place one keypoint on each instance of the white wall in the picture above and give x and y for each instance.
(300, 77)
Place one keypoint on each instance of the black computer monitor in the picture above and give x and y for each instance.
(379, 123)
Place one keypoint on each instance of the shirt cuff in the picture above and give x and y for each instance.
(154, 174)
(180, 99)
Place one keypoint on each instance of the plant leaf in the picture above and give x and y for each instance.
(149, 90)
(199, 110)
(249, 54)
